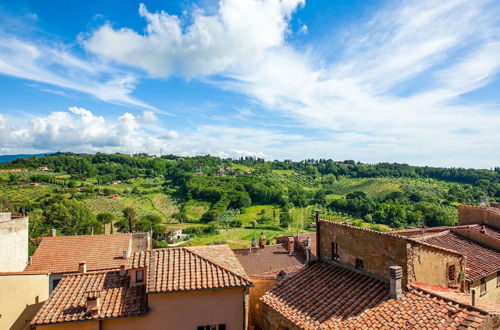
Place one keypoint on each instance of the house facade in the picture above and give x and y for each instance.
(179, 288)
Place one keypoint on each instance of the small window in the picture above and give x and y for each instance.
(139, 276)
(451, 273)
(212, 327)
(483, 286)
(335, 251)
(359, 264)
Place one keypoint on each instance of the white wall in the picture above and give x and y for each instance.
(13, 243)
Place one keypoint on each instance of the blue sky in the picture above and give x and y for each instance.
(398, 81)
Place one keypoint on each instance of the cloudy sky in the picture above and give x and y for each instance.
(400, 81)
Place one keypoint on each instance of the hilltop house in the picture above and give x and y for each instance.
(179, 288)
(367, 279)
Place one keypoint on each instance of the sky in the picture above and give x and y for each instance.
(374, 81)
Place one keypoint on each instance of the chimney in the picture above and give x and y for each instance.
(262, 241)
(122, 270)
(53, 232)
(308, 256)
(126, 254)
(291, 244)
(30, 260)
(93, 302)
(308, 241)
(82, 267)
(483, 230)
(473, 294)
(318, 234)
(395, 275)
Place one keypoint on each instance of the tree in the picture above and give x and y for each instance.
(285, 217)
(130, 218)
(149, 222)
(106, 218)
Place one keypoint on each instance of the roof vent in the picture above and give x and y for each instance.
(395, 275)
(93, 302)
(82, 267)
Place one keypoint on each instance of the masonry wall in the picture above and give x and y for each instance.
(430, 265)
(187, 310)
(21, 296)
(492, 290)
(470, 215)
(13, 243)
(273, 320)
(378, 251)
(255, 310)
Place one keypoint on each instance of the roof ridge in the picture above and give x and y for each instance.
(414, 240)
(217, 265)
(365, 229)
(441, 233)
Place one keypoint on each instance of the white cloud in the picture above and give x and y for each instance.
(55, 65)
(241, 30)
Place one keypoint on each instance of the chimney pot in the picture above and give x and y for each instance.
(126, 254)
(291, 244)
(395, 275)
(122, 270)
(82, 267)
(53, 232)
(262, 241)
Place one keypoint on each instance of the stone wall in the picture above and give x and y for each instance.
(482, 215)
(261, 287)
(275, 321)
(430, 265)
(13, 243)
(378, 250)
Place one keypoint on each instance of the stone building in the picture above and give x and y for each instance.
(13, 242)
(368, 279)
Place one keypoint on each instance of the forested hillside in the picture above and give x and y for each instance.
(232, 200)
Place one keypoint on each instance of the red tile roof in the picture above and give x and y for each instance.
(481, 260)
(67, 303)
(62, 254)
(416, 233)
(487, 230)
(190, 269)
(328, 296)
(267, 262)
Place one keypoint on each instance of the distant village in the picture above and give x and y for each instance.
(340, 277)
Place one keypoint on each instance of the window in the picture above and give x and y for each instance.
(498, 279)
(139, 276)
(212, 327)
(451, 273)
(335, 251)
(55, 283)
(483, 286)
(359, 263)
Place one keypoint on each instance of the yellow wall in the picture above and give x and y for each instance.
(261, 287)
(492, 291)
(187, 310)
(87, 325)
(21, 296)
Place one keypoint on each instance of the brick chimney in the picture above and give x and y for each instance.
(262, 241)
(53, 232)
(93, 303)
(82, 267)
(291, 244)
(395, 275)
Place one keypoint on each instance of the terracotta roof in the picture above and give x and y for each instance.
(63, 253)
(190, 269)
(481, 260)
(267, 262)
(417, 232)
(67, 303)
(328, 296)
(487, 230)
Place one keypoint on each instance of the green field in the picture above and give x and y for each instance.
(373, 187)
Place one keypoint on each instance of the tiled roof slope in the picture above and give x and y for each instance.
(487, 230)
(328, 296)
(67, 303)
(63, 253)
(418, 233)
(267, 262)
(481, 260)
(190, 269)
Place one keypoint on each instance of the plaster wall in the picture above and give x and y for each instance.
(21, 296)
(492, 290)
(255, 310)
(471, 214)
(13, 243)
